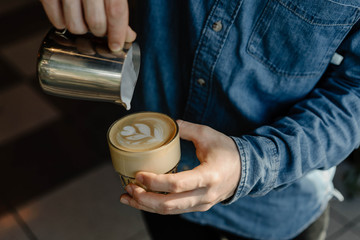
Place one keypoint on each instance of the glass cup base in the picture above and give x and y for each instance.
(125, 180)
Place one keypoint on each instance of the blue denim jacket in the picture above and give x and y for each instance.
(260, 71)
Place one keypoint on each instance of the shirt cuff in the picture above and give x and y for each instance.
(243, 174)
(259, 160)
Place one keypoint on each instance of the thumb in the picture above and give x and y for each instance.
(188, 131)
(130, 35)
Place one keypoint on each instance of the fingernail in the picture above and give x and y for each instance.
(115, 47)
(123, 200)
(129, 190)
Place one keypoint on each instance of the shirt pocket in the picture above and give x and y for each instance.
(297, 38)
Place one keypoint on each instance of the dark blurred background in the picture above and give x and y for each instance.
(44, 140)
(48, 143)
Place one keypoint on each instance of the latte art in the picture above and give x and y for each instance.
(142, 132)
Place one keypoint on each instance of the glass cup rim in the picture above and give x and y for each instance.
(146, 151)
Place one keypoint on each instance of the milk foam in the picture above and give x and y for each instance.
(143, 132)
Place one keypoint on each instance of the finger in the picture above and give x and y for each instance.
(130, 35)
(94, 11)
(104, 51)
(84, 46)
(174, 203)
(117, 22)
(173, 183)
(53, 9)
(74, 18)
(128, 200)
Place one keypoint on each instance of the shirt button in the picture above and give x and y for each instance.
(217, 26)
(201, 82)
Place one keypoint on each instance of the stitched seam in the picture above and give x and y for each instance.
(196, 58)
(222, 43)
(312, 22)
(244, 173)
(268, 63)
(283, 73)
(344, 4)
(255, 40)
(274, 155)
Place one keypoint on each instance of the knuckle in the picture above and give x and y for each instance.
(133, 203)
(211, 197)
(166, 208)
(175, 185)
(137, 197)
(205, 207)
(215, 178)
(148, 183)
(117, 9)
(97, 26)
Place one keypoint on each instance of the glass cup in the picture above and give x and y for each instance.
(145, 141)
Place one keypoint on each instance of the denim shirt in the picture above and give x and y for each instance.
(281, 77)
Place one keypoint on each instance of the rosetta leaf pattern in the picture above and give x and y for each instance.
(141, 133)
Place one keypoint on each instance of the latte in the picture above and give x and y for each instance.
(145, 141)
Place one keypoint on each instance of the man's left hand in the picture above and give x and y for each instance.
(214, 180)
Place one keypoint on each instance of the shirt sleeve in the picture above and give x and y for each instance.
(317, 133)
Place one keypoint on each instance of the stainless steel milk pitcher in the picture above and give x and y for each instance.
(83, 67)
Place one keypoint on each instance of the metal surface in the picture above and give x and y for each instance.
(82, 67)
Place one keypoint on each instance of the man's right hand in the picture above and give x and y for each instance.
(101, 17)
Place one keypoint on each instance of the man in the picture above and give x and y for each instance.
(279, 76)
